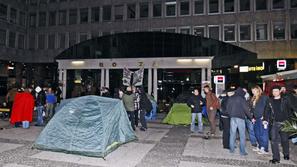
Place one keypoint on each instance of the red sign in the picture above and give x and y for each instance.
(281, 64)
(219, 79)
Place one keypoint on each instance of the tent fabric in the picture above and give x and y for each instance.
(89, 125)
(22, 109)
(179, 114)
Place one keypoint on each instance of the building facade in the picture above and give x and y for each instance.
(35, 31)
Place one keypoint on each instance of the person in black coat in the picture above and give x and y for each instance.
(145, 105)
(196, 102)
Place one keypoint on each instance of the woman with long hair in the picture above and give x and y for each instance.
(258, 104)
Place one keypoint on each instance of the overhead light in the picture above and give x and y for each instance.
(201, 60)
(244, 69)
(170, 3)
(10, 67)
(236, 66)
(184, 60)
(77, 62)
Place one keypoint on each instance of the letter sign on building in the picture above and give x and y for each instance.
(219, 79)
(281, 64)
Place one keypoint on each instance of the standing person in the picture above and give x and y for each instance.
(258, 103)
(195, 103)
(237, 108)
(50, 104)
(278, 111)
(128, 100)
(212, 104)
(225, 117)
(40, 102)
(10, 98)
(58, 94)
(293, 101)
(145, 106)
(105, 92)
(136, 105)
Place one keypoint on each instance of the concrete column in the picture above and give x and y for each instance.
(155, 83)
(209, 75)
(64, 79)
(107, 78)
(149, 90)
(102, 81)
(60, 75)
(203, 78)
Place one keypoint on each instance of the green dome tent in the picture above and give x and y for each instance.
(89, 125)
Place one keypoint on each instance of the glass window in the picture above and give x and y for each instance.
(52, 1)
(261, 32)
(33, 2)
(119, 12)
(72, 39)
(170, 30)
(42, 19)
(184, 8)
(83, 15)
(214, 32)
(293, 3)
(32, 19)
(294, 31)
(21, 41)
(143, 10)
(41, 41)
(213, 6)
(52, 18)
(261, 4)
(199, 7)
(3, 12)
(229, 33)
(94, 34)
(95, 14)
(73, 16)
(157, 9)
(105, 33)
(244, 5)
(245, 32)
(43, 2)
(170, 8)
(11, 40)
(131, 9)
(62, 17)
(22, 19)
(51, 41)
(185, 30)
(83, 37)
(62, 40)
(228, 5)
(278, 4)
(31, 41)
(2, 37)
(106, 13)
(199, 31)
(13, 15)
(279, 31)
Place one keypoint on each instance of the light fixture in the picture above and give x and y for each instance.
(236, 66)
(201, 60)
(77, 62)
(184, 60)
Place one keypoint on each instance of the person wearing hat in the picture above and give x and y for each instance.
(276, 113)
(40, 102)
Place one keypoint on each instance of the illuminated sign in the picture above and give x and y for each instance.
(252, 68)
(219, 79)
(281, 64)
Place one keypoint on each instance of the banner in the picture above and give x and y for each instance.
(136, 77)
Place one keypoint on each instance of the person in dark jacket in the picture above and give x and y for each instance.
(237, 108)
(196, 102)
(276, 113)
(258, 104)
(145, 106)
(225, 117)
(128, 101)
(40, 102)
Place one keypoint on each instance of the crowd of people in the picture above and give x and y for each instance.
(261, 115)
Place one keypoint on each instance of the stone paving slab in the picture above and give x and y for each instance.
(127, 155)
(152, 134)
(8, 146)
(197, 164)
(199, 147)
(15, 165)
(21, 134)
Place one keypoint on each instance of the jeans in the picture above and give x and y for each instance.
(39, 115)
(142, 118)
(261, 134)
(237, 123)
(50, 110)
(250, 127)
(226, 132)
(136, 117)
(278, 136)
(131, 118)
(200, 123)
(212, 120)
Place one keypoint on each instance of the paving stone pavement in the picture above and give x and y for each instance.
(160, 146)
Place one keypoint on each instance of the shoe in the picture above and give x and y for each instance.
(256, 149)
(142, 129)
(262, 152)
(274, 161)
(212, 134)
(244, 154)
(286, 158)
(254, 145)
(201, 132)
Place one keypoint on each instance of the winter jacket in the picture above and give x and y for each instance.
(145, 103)
(286, 110)
(212, 101)
(224, 106)
(259, 108)
(238, 107)
(196, 101)
(40, 99)
(128, 100)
